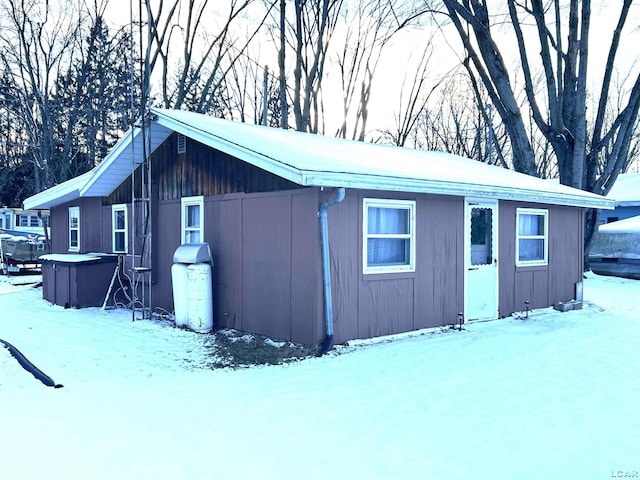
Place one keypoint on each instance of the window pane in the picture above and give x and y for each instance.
(388, 251)
(192, 236)
(119, 220)
(73, 238)
(73, 222)
(388, 220)
(119, 241)
(531, 224)
(193, 216)
(531, 249)
(33, 220)
(481, 236)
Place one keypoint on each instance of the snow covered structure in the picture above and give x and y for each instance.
(626, 193)
(315, 237)
(616, 249)
(17, 221)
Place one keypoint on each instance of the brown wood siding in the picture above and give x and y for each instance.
(266, 266)
(91, 226)
(223, 228)
(201, 171)
(542, 286)
(265, 248)
(59, 218)
(265, 241)
(380, 304)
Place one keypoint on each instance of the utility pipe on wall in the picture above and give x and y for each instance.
(326, 271)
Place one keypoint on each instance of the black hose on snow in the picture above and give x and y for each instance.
(30, 367)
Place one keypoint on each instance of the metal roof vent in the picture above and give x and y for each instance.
(182, 143)
(192, 253)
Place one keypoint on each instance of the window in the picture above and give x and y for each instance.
(532, 237)
(482, 247)
(119, 228)
(74, 229)
(388, 235)
(28, 221)
(192, 219)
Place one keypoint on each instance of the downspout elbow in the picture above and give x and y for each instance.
(326, 271)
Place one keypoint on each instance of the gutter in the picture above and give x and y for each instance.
(326, 272)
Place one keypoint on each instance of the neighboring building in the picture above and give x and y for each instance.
(626, 193)
(414, 238)
(23, 222)
(616, 249)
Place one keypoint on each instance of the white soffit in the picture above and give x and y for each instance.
(64, 192)
(117, 166)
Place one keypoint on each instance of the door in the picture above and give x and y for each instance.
(481, 260)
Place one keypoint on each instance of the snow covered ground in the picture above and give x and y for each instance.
(554, 396)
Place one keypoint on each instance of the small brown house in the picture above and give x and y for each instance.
(314, 237)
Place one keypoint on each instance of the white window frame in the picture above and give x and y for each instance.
(410, 206)
(74, 212)
(114, 210)
(538, 212)
(184, 204)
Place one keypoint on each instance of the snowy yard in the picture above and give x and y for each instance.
(554, 396)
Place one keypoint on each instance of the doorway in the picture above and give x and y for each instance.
(481, 260)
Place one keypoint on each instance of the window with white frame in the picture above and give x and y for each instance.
(74, 229)
(388, 235)
(27, 221)
(192, 219)
(119, 228)
(532, 236)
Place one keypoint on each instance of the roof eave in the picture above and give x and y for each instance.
(62, 193)
(108, 161)
(372, 182)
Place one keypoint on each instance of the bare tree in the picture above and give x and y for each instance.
(587, 159)
(64, 80)
(370, 25)
(307, 33)
(413, 101)
(39, 42)
(190, 57)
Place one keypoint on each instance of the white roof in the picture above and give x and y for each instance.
(315, 160)
(628, 225)
(64, 192)
(626, 190)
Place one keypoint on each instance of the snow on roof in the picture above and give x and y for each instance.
(628, 225)
(69, 257)
(316, 160)
(64, 192)
(626, 190)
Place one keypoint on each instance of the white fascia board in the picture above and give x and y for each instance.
(452, 188)
(118, 165)
(92, 188)
(62, 193)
